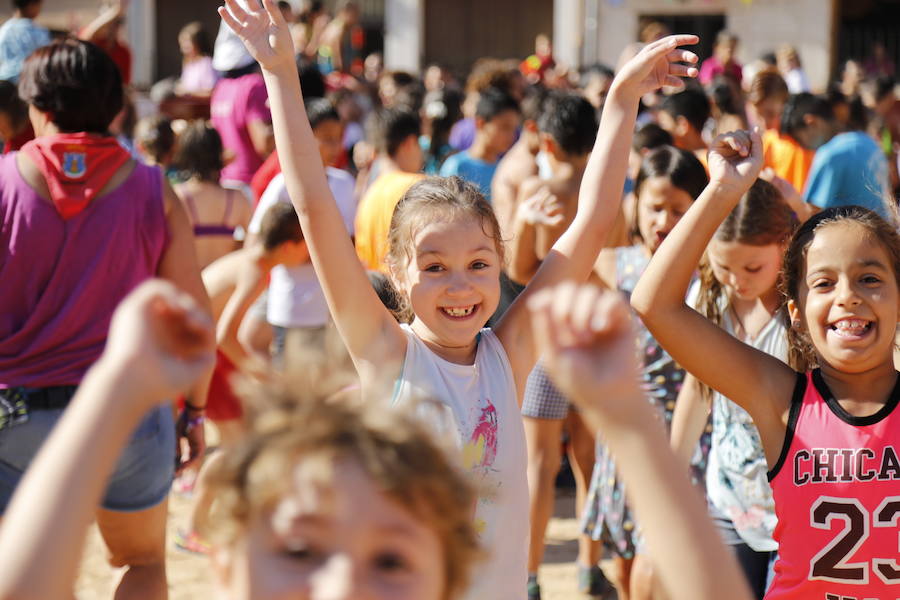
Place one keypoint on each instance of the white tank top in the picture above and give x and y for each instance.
(477, 404)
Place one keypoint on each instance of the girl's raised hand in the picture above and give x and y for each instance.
(735, 159)
(586, 339)
(658, 64)
(262, 30)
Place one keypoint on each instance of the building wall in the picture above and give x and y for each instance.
(761, 25)
(807, 24)
(456, 33)
(72, 15)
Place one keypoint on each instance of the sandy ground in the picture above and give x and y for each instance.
(190, 576)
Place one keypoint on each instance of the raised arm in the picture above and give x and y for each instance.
(574, 253)
(588, 345)
(371, 334)
(759, 383)
(97, 28)
(160, 342)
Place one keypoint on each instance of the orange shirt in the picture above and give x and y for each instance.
(373, 217)
(787, 158)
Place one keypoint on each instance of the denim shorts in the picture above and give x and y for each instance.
(142, 476)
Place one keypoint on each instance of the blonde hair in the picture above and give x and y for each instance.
(397, 453)
(452, 198)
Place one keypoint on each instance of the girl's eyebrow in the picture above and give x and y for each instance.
(872, 262)
(864, 262)
(473, 251)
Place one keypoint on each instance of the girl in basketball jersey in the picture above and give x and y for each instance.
(827, 422)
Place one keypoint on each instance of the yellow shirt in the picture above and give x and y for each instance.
(787, 158)
(373, 217)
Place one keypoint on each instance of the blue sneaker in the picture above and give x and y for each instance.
(534, 589)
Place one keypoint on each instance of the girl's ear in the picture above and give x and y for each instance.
(794, 313)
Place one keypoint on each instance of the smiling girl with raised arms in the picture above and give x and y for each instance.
(821, 427)
(445, 258)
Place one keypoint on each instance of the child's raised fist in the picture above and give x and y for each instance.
(587, 343)
(162, 338)
(735, 159)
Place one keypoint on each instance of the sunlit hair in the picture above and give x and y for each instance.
(761, 218)
(155, 137)
(431, 199)
(768, 84)
(292, 425)
(801, 353)
(199, 152)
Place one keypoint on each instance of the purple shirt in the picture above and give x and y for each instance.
(63, 279)
(236, 103)
(198, 76)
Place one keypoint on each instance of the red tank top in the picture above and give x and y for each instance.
(837, 497)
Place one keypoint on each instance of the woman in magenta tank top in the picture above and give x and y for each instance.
(829, 422)
(82, 224)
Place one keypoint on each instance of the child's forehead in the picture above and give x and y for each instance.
(844, 236)
(846, 241)
(452, 232)
(335, 494)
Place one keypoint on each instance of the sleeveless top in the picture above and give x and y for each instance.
(737, 483)
(208, 229)
(476, 405)
(62, 279)
(837, 496)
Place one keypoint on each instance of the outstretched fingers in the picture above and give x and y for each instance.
(233, 14)
(668, 44)
(273, 11)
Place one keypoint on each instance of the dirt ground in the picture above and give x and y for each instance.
(190, 576)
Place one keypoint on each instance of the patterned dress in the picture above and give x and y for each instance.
(606, 515)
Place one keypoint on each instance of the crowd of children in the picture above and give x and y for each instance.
(401, 301)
